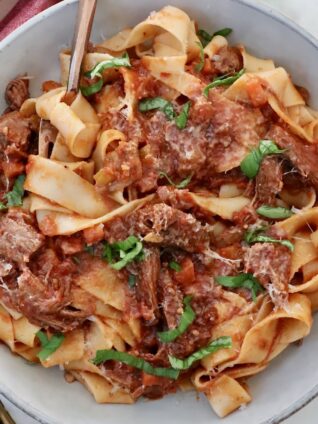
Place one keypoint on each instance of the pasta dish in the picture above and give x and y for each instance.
(158, 229)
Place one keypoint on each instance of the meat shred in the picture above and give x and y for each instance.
(146, 287)
(270, 263)
(122, 167)
(303, 155)
(19, 239)
(17, 91)
(170, 227)
(227, 61)
(269, 181)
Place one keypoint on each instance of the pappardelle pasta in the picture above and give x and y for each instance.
(159, 228)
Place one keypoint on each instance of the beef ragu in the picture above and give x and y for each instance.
(171, 227)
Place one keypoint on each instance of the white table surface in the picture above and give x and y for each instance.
(305, 12)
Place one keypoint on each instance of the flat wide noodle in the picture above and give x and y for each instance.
(54, 223)
(58, 183)
(77, 124)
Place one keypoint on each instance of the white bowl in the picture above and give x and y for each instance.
(291, 380)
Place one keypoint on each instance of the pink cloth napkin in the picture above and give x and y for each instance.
(21, 12)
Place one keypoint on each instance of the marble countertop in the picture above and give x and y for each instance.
(305, 13)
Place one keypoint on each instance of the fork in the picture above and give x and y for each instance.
(84, 21)
(5, 417)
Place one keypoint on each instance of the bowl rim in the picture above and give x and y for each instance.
(265, 9)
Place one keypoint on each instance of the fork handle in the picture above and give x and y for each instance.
(84, 22)
(5, 418)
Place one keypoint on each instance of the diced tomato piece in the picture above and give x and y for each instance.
(186, 275)
(151, 380)
(256, 92)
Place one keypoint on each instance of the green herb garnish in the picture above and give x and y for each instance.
(133, 361)
(186, 320)
(116, 62)
(175, 266)
(252, 162)
(15, 196)
(248, 281)
(157, 103)
(49, 346)
(274, 212)
(183, 364)
(206, 37)
(199, 66)
(121, 253)
(182, 119)
(182, 184)
(223, 80)
(89, 90)
(256, 235)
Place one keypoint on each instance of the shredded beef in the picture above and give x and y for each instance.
(302, 154)
(44, 294)
(128, 377)
(169, 227)
(227, 61)
(132, 379)
(171, 298)
(122, 167)
(70, 245)
(199, 332)
(270, 263)
(6, 267)
(269, 181)
(19, 239)
(146, 286)
(17, 91)
(178, 199)
(16, 131)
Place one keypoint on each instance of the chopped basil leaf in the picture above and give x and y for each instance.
(107, 253)
(3, 207)
(206, 37)
(182, 184)
(256, 236)
(133, 361)
(49, 346)
(223, 80)
(157, 103)
(132, 280)
(175, 266)
(128, 257)
(89, 90)
(274, 212)
(252, 162)
(116, 62)
(182, 119)
(199, 66)
(125, 245)
(15, 196)
(186, 319)
(121, 253)
(183, 364)
(76, 260)
(224, 32)
(248, 281)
